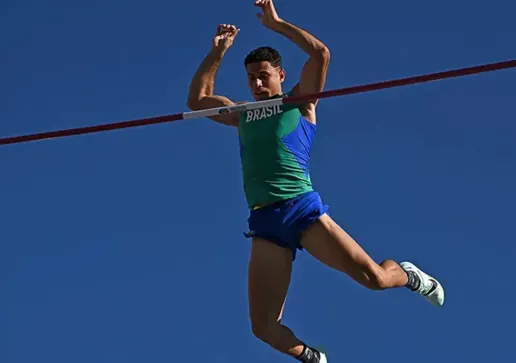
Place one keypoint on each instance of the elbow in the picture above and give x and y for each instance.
(189, 104)
(193, 103)
(323, 54)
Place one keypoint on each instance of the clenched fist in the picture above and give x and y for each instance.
(225, 36)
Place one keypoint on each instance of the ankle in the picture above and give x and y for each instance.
(413, 282)
(309, 355)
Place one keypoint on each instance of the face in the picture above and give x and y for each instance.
(264, 80)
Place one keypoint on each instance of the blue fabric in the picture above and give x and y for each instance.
(282, 223)
(299, 143)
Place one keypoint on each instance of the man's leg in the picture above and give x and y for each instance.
(270, 268)
(330, 244)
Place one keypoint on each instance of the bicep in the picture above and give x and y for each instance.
(313, 75)
(230, 119)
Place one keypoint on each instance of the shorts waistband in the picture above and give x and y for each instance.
(258, 206)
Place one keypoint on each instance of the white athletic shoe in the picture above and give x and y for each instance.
(322, 354)
(430, 288)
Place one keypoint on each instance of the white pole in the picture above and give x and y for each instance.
(230, 109)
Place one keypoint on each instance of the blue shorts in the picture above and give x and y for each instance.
(283, 222)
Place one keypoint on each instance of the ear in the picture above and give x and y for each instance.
(282, 75)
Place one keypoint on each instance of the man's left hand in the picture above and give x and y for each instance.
(269, 17)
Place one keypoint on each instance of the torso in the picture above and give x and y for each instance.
(275, 146)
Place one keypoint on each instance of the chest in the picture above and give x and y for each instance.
(262, 114)
(268, 123)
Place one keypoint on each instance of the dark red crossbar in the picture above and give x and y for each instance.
(295, 99)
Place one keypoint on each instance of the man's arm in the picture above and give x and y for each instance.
(313, 75)
(200, 94)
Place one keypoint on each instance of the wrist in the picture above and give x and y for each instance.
(277, 25)
(217, 53)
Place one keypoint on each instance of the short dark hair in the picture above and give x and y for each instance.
(264, 54)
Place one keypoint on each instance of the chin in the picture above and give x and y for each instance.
(261, 97)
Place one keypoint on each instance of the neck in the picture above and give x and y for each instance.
(278, 95)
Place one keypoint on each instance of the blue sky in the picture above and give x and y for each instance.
(127, 246)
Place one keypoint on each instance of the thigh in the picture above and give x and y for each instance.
(330, 244)
(270, 268)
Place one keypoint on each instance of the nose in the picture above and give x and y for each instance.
(257, 83)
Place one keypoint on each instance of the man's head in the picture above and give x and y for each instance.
(264, 72)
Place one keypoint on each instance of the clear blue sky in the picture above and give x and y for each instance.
(127, 246)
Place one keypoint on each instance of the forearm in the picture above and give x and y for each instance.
(306, 41)
(202, 83)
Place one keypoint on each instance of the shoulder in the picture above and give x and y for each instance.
(306, 109)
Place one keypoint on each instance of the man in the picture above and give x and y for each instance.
(286, 214)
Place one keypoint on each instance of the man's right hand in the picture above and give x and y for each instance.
(225, 36)
(200, 94)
